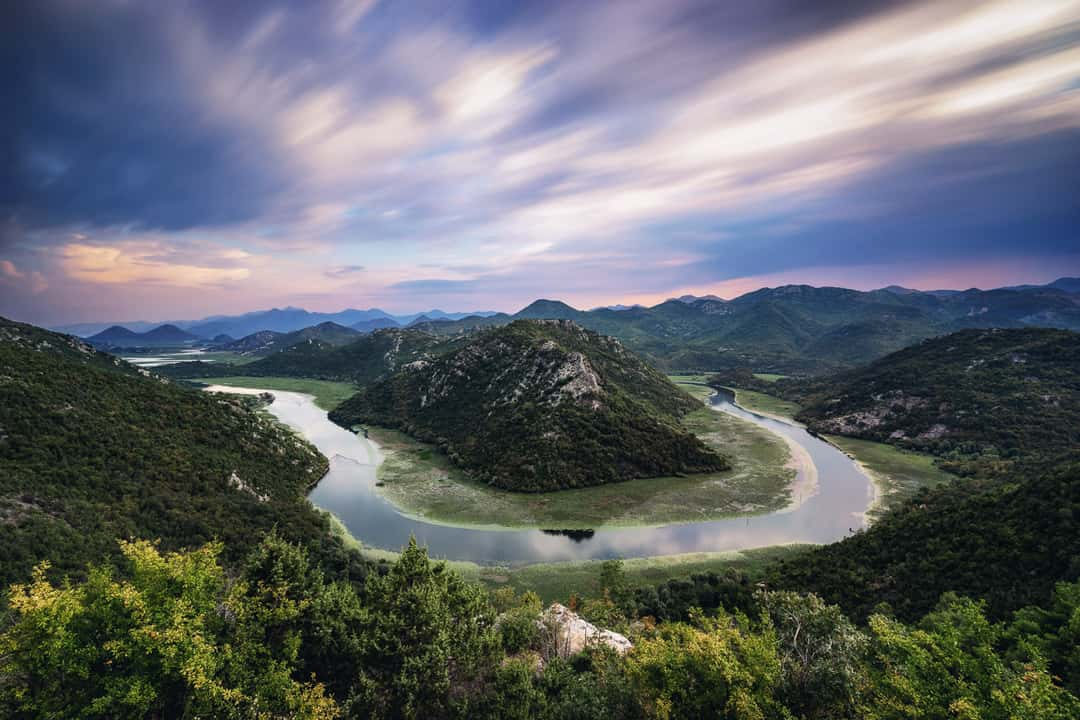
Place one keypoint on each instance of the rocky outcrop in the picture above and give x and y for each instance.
(570, 634)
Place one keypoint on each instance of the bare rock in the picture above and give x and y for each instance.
(571, 633)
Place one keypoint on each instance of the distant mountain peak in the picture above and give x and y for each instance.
(544, 309)
(899, 290)
(691, 299)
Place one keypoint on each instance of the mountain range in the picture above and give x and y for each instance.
(800, 329)
(161, 336)
(281, 320)
(792, 329)
(265, 342)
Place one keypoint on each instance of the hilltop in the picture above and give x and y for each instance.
(266, 342)
(369, 357)
(540, 405)
(161, 336)
(93, 448)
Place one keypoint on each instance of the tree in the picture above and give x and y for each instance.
(717, 667)
(1052, 633)
(171, 635)
(948, 667)
(425, 635)
(822, 655)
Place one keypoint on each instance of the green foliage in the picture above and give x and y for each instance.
(539, 406)
(948, 667)
(517, 620)
(822, 655)
(678, 597)
(170, 636)
(92, 449)
(427, 634)
(1051, 633)
(174, 634)
(1008, 543)
(718, 667)
(615, 585)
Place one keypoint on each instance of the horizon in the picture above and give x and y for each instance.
(196, 159)
(474, 311)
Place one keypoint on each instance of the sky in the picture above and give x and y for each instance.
(172, 160)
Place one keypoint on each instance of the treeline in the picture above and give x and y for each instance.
(176, 635)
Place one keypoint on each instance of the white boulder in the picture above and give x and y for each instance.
(571, 633)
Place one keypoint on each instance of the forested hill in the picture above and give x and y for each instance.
(93, 449)
(368, 358)
(266, 342)
(538, 405)
(1007, 542)
(979, 399)
(1000, 405)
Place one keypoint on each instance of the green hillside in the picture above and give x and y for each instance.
(93, 449)
(1008, 542)
(540, 405)
(978, 399)
(361, 361)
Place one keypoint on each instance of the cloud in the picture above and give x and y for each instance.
(134, 262)
(343, 271)
(33, 281)
(8, 269)
(552, 148)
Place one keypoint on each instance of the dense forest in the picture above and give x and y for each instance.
(1004, 407)
(93, 449)
(540, 405)
(178, 635)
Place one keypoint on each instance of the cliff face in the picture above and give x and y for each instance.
(540, 405)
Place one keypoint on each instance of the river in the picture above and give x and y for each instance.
(835, 508)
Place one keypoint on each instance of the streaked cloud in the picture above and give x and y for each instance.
(136, 262)
(600, 151)
(343, 271)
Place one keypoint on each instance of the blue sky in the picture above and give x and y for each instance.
(177, 159)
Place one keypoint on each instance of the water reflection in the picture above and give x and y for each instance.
(575, 535)
(348, 490)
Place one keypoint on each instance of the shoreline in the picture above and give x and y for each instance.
(806, 483)
(804, 486)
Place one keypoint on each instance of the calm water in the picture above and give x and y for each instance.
(348, 490)
(171, 358)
